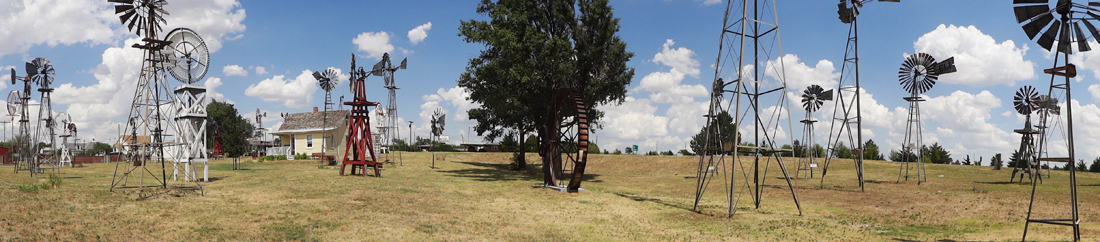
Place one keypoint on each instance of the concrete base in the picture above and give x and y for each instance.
(562, 189)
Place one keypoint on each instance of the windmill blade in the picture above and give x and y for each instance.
(1064, 39)
(379, 68)
(403, 63)
(1047, 39)
(1082, 40)
(122, 1)
(1092, 29)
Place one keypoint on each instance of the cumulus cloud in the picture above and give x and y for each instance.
(293, 93)
(799, 75)
(980, 60)
(260, 70)
(374, 43)
(964, 117)
(711, 2)
(53, 22)
(665, 87)
(416, 35)
(214, 20)
(234, 70)
(212, 93)
(634, 120)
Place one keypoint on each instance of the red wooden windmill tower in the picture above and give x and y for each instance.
(359, 143)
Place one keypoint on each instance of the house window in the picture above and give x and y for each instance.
(309, 141)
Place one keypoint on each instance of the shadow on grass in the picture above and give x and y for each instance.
(909, 240)
(504, 172)
(494, 172)
(652, 200)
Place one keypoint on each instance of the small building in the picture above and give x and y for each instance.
(303, 133)
(490, 147)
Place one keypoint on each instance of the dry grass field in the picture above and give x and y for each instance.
(475, 196)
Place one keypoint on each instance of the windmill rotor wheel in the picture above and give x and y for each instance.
(572, 146)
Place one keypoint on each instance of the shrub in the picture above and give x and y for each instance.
(301, 156)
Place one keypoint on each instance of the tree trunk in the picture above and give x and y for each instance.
(521, 161)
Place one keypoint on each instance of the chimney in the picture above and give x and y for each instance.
(314, 109)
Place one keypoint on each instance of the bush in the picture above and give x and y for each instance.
(280, 157)
(301, 156)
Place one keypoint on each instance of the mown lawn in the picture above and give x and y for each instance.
(476, 196)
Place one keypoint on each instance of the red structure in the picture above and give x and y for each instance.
(359, 142)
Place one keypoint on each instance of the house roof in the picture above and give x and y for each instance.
(312, 121)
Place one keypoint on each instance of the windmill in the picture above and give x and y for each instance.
(812, 99)
(918, 73)
(358, 139)
(386, 70)
(260, 127)
(846, 113)
(1047, 107)
(188, 59)
(1064, 18)
(15, 106)
(751, 32)
(154, 111)
(26, 158)
(1025, 102)
(41, 72)
(328, 81)
(439, 120)
(68, 129)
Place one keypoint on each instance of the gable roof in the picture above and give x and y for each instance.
(313, 121)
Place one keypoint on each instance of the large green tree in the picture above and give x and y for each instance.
(233, 129)
(871, 152)
(537, 52)
(936, 154)
(728, 134)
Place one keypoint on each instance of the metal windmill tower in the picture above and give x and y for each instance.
(918, 73)
(812, 99)
(386, 69)
(328, 81)
(1064, 18)
(68, 129)
(750, 36)
(846, 113)
(41, 72)
(260, 124)
(1026, 101)
(439, 120)
(359, 142)
(26, 159)
(189, 60)
(154, 108)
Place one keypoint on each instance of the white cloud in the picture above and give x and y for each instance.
(711, 2)
(964, 118)
(260, 70)
(53, 22)
(293, 93)
(459, 99)
(679, 59)
(213, 20)
(980, 60)
(234, 70)
(665, 87)
(416, 35)
(634, 120)
(799, 75)
(212, 93)
(374, 43)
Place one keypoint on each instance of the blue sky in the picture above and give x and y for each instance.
(261, 50)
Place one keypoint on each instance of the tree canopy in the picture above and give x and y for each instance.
(728, 136)
(234, 129)
(533, 51)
